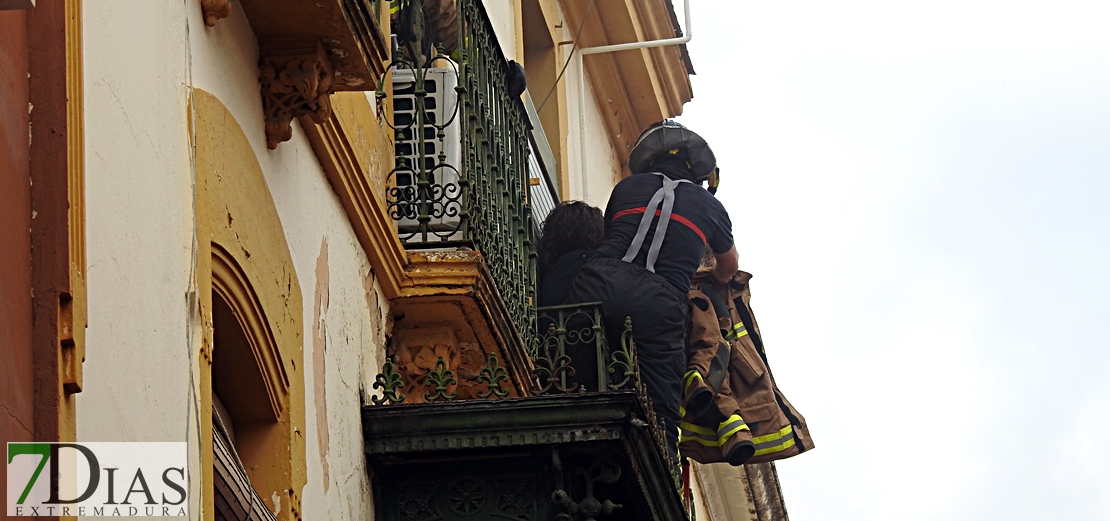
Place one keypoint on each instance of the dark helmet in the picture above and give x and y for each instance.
(669, 137)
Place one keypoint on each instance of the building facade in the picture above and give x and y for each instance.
(299, 236)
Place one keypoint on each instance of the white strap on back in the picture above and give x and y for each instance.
(664, 196)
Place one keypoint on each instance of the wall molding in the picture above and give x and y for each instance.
(361, 197)
(243, 255)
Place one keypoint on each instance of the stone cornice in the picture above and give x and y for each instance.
(348, 29)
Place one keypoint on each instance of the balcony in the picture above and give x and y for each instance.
(488, 406)
(462, 178)
(582, 444)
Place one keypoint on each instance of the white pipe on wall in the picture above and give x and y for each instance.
(582, 83)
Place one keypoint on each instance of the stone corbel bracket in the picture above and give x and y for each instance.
(454, 288)
(307, 50)
(295, 81)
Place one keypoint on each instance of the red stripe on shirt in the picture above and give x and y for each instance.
(687, 222)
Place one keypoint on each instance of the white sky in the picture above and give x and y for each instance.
(921, 190)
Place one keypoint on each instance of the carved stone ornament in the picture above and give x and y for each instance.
(214, 10)
(294, 83)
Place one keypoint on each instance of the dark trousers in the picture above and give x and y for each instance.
(658, 311)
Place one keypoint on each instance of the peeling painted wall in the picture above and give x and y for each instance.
(346, 326)
(142, 58)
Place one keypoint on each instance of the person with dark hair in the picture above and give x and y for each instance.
(658, 223)
(569, 237)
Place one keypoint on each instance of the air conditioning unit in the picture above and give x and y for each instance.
(439, 107)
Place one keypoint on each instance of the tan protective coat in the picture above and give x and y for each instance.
(777, 429)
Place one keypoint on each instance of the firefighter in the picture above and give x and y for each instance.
(657, 225)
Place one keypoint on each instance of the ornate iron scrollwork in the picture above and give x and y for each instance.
(492, 375)
(590, 508)
(390, 382)
(553, 366)
(438, 379)
(623, 369)
(482, 200)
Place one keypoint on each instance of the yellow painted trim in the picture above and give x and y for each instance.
(235, 288)
(356, 155)
(73, 314)
(549, 51)
(243, 255)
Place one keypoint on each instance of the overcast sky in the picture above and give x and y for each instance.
(922, 191)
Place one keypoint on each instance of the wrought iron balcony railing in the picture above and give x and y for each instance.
(464, 155)
(575, 354)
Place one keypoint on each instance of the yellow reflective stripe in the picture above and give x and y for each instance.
(738, 330)
(698, 429)
(707, 443)
(702, 435)
(777, 448)
(690, 375)
(730, 426)
(774, 435)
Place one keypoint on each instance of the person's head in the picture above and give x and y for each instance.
(572, 225)
(669, 143)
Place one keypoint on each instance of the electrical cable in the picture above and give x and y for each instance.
(555, 85)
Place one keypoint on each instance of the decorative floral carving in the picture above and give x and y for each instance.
(517, 499)
(213, 10)
(294, 84)
(590, 508)
(417, 503)
(466, 496)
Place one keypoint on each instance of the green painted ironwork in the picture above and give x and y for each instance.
(480, 199)
(438, 379)
(572, 353)
(623, 370)
(389, 381)
(495, 160)
(493, 375)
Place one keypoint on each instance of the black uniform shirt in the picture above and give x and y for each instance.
(698, 219)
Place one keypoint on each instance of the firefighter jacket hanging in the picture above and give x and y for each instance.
(733, 411)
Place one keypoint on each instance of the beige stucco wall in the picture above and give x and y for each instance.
(721, 493)
(592, 170)
(142, 58)
(595, 168)
(139, 216)
(504, 15)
